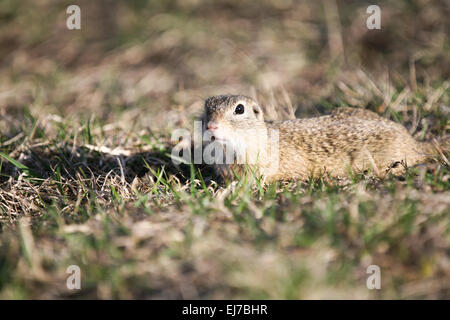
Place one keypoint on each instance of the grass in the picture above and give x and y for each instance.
(85, 171)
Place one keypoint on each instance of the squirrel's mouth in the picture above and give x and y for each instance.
(215, 135)
(218, 140)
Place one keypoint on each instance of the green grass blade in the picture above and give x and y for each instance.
(20, 166)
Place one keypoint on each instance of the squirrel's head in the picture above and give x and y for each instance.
(226, 115)
(236, 123)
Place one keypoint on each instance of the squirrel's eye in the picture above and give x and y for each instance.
(239, 109)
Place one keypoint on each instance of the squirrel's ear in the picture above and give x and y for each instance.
(258, 112)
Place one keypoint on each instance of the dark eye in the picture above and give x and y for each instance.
(239, 109)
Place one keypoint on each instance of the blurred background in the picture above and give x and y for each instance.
(85, 123)
(164, 57)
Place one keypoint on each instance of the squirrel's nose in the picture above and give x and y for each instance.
(211, 125)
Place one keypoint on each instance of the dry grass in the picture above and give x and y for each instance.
(86, 176)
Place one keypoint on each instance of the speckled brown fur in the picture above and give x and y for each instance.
(348, 139)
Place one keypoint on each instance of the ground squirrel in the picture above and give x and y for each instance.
(348, 140)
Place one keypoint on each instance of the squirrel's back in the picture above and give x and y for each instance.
(348, 139)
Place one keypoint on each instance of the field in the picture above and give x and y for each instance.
(86, 177)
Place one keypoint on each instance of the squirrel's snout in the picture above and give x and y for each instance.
(212, 125)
